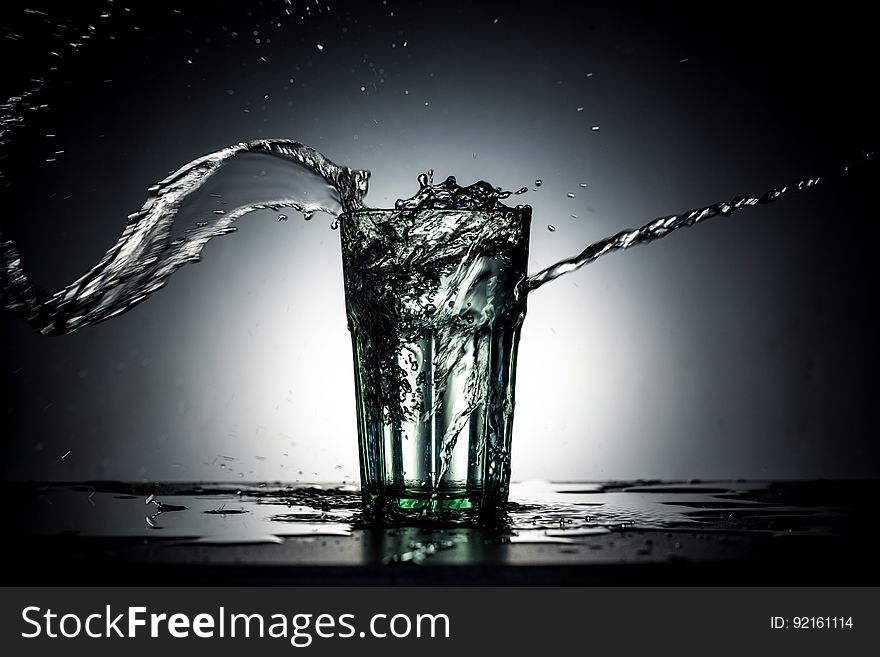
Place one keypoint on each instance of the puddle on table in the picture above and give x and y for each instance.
(538, 512)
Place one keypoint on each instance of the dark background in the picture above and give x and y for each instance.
(740, 348)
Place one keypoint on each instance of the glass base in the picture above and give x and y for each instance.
(407, 505)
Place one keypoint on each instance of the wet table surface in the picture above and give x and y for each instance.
(642, 532)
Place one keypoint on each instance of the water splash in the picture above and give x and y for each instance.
(449, 195)
(148, 252)
(663, 226)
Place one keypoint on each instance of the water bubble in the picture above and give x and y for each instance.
(538, 182)
(584, 185)
(551, 227)
(580, 109)
(595, 128)
(570, 195)
(282, 217)
(334, 224)
(320, 47)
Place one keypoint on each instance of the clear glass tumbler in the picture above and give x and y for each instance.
(435, 300)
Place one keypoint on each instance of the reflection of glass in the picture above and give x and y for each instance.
(435, 304)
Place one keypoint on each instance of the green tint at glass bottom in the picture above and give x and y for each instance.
(406, 505)
(434, 505)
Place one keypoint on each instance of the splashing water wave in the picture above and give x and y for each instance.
(148, 253)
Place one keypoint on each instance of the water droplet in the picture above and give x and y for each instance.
(334, 224)
(551, 227)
